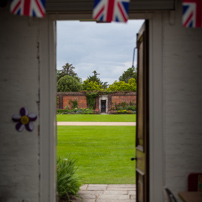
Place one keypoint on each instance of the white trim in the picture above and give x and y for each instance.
(157, 160)
(53, 119)
(48, 138)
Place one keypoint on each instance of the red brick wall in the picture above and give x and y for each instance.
(65, 97)
(82, 103)
(117, 98)
(97, 103)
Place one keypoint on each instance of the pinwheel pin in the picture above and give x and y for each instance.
(24, 120)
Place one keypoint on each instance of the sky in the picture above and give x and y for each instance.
(104, 47)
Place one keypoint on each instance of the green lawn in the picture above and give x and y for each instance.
(97, 117)
(103, 152)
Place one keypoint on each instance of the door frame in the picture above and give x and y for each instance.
(105, 103)
(156, 144)
(48, 121)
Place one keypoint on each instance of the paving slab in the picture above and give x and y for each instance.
(115, 193)
(122, 185)
(84, 187)
(96, 188)
(132, 192)
(90, 192)
(107, 193)
(88, 196)
(121, 188)
(119, 197)
(83, 200)
(133, 197)
(100, 185)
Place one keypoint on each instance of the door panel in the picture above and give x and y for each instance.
(142, 128)
(140, 185)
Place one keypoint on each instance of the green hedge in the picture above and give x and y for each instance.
(123, 111)
(77, 111)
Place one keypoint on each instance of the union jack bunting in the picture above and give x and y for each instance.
(34, 8)
(192, 13)
(111, 10)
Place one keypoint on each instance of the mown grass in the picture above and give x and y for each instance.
(103, 152)
(97, 117)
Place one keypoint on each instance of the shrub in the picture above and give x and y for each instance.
(96, 111)
(113, 112)
(62, 111)
(91, 99)
(68, 183)
(57, 102)
(120, 108)
(68, 84)
(116, 106)
(66, 107)
(74, 103)
(123, 104)
(122, 111)
(76, 111)
(131, 104)
(88, 111)
(133, 108)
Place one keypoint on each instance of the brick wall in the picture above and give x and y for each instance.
(97, 103)
(116, 98)
(68, 96)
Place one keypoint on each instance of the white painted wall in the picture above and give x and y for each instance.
(25, 66)
(182, 100)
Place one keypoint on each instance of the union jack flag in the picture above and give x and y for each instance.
(192, 13)
(111, 10)
(35, 8)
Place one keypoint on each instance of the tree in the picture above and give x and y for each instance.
(133, 84)
(128, 74)
(123, 86)
(68, 69)
(95, 78)
(91, 85)
(68, 84)
(105, 85)
(58, 74)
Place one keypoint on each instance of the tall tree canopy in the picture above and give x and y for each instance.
(123, 86)
(128, 74)
(91, 85)
(68, 84)
(94, 78)
(68, 69)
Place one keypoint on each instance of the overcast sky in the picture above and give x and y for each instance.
(104, 47)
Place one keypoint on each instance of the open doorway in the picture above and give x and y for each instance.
(103, 109)
(155, 93)
(103, 106)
